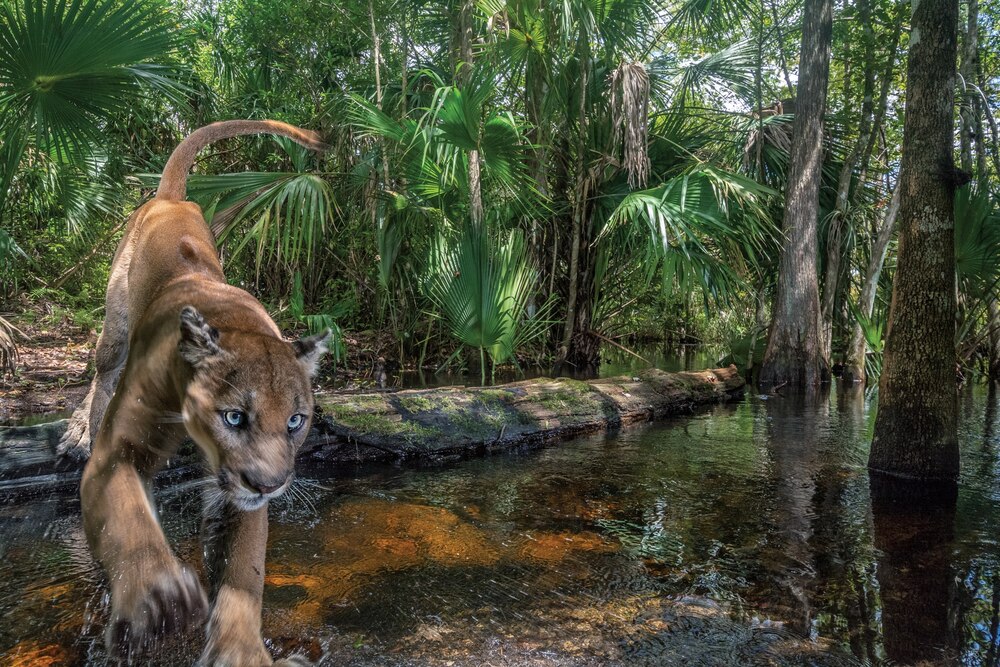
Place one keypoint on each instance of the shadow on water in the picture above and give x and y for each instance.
(749, 534)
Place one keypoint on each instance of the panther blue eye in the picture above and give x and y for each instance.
(234, 418)
(295, 423)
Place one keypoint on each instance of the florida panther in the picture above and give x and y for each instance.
(183, 354)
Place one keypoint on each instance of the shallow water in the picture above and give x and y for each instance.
(742, 535)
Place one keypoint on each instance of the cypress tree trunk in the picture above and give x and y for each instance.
(794, 352)
(916, 426)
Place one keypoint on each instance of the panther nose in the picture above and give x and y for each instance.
(260, 487)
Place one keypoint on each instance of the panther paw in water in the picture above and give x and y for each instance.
(169, 602)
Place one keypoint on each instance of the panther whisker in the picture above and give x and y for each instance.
(171, 417)
(311, 483)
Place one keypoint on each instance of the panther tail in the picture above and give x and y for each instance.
(173, 183)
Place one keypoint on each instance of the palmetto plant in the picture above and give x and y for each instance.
(701, 225)
(433, 148)
(283, 215)
(873, 329)
(66, 68)
(482, 288)
(977, 244)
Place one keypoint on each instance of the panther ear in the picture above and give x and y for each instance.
(199, 339)
(310, 349)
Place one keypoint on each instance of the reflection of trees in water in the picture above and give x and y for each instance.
(798, 427)
(846, 587)
(769, 506)
(975, 613)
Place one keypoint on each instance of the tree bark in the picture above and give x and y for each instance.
(794, 348)
(579, 205)
(835, 235)
(462, 76)
(854, 366)
(916, 426)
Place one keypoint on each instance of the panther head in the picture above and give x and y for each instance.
(248, 405)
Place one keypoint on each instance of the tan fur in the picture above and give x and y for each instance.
(179, 349)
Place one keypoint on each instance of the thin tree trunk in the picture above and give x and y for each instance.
(916, 425)
(854, 366)
(883, 102)
(834, 240)
(794, 350)
(377, 53)
(463, 75)
(760, 321)
(404, 38)
(968, 70)
(781, 46)
(579, 211)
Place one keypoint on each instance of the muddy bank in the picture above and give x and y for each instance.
(430, 424)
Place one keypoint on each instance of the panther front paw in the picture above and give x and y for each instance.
(142, 611)
(75, 442)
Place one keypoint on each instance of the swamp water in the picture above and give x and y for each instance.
(743, 535)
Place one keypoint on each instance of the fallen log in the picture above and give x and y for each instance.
(449, 422)
(431, 424)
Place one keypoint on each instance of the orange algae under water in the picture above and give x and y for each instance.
(745, 535)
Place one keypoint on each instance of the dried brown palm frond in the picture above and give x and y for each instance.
(630, 119)
(8, 351)
(769, 133)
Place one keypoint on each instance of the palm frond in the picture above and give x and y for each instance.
(701, 225)
(977, 243)
(482, 289)
(66, 67)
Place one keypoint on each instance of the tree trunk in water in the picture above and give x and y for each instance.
(794, 350)
(854, 366)
(916, 426)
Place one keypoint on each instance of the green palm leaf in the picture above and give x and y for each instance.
(700, 225)
(283, 214)
(977, 243)
(483, 288)
(66, 67)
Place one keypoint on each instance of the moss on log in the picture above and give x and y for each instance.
(447, 422)
(432, 424)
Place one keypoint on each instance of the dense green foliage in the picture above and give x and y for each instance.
(518, 178)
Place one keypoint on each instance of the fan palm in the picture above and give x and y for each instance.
(434, 149)
(483, 288)
(67, 68)
(700, 225)
(282, 214)
(977, 244)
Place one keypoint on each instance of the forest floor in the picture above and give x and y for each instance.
(55, 365)
(53, 370)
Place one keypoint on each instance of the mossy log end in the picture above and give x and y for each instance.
(447, 422)
(431, 424)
